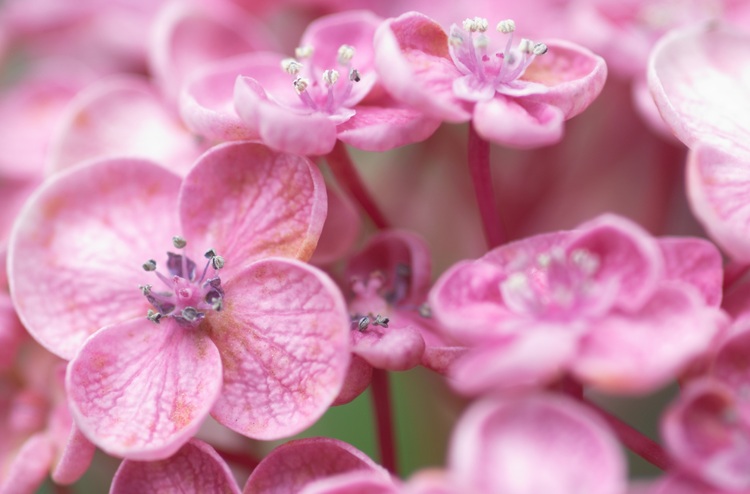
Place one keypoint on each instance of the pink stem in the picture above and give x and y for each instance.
(635, 441)
(481, 178)
(381, 401)
(346, 173)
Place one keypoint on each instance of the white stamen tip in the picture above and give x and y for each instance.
(330, 77)
(539, 49)
(345, 54)
(149, 265)
(526, 46)
(179, 242)
(217, 262)
(303, 51)
(481, 24)
(506, 26)
(291, 66)
(354, 75)
(468, 25)
(300, 84)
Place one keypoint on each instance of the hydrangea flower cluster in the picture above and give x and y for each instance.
(393, 247)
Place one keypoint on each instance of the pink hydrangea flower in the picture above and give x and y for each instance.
(515, 95)
(606, 302)
(302, 105)
(709, 111)
(260, 342)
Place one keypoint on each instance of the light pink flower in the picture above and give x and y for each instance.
(260, 342)
(605, 302)
(517, 96)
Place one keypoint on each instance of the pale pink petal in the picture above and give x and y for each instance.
(74, 459)
(195, 468)
(639, 352)
(398, 347)
(15, 192)
(284, 342)
(248, 202)
(358, 482)
(382, 128)
(293, 465)
(518, 124)
(718, 182)
(29, 467)
(429, 481)
(140, 390)
(499, 446)
(700, 80)
(75, 256)
(121, 116)
(341, 230)
(414, 65)
(694, 261)
(281, 128)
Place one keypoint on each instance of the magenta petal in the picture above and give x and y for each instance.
(381, 128)
(499, 446)
(518, 124)
(195, 468)
(697, 262)
(284, 341)
(248, 202)
(75, 254)
(358, 378)
(718, 182)
(140, 390)
(293, 465)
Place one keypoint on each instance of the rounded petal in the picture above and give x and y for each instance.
(29, 468)
(195, 468)
(518, 124)
(398, 347)
(382, 128)
(284, 342)
(499, 445)
(358, 378)
(75, 253)
(75, 458)
(357, 482)
(295, 464)
(248, 202)
(139, 390)
(697, 262)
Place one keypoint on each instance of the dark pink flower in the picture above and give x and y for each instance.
(515, 95)
(259, 341)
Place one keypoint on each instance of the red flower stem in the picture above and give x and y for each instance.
(381, 402)
(635, 441)
(346, 173)
(244, 460)
(481, 178)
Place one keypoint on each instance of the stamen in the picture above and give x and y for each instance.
(506, 26)
(217, 262)
(301, 84)
(145, 289)
(425, 310)
(354, 75)
(149, 265)
(303, 52)
(209, 254)
(179, 242)
(381, 321)
(363, 323)
(153, 316)
(345, 54)
(330, 77)
(190, 314)
(526, 46)
(539, 49)
(291, 66)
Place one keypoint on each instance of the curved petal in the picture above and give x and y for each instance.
(697, 262)
(248, 202)
(195, 468)
(284, 342)
(398, 347)
(29, 467)
(357, 482)
(518, 124)
(75, 458)
(382, 128)
(139, 390)
(75, 254)
(499, 445)
(293, 465)
(358, 378)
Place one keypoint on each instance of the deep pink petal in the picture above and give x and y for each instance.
(248, 202)
(284, 342)
(75, 256)
(140, 390)
(518, 124)
(293, 465)
(74, 459)
(195, 468)
(29, 467)
(694, 261)
(732, 362)
(358, 378)
(499, 446)
(382, 128)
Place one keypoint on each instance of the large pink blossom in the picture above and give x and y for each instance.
(618, 309)
(259, 341)
(517, 96)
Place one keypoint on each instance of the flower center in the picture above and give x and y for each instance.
(322, 91)
(373, 300)
(186, 298)
(487, 71)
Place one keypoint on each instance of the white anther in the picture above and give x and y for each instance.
(300, 84)
(539, 49)
(291, 66)
(354, 75)
(302, 52)
(149, 265)
(506, 26)
(468, 25)
(526, 46)
(345, 54)
(145, 289)
(179, 242)
(190, 314)
(153, 316)
(330, 77)
(481, 24)
(217, 262)
(363, 323)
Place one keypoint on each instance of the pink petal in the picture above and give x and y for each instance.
(140, 390)
(518, 124)
(638, 352)
(341, 230)
(75, 458)
(75, 255)
(121, 116)
(284, 341)
(718, 181)
(293, 465)
(248, 202)
(382, 128)
(499, 445)
(732, 362)
(358, 378)
(414, 65)
(357, 482)
(398, 347)
(195, 468)
(279, 127)
(29, 467)
(697, 262)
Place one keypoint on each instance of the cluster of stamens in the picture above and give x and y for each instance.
(469, 50)
(187, 297)
(318, 91)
